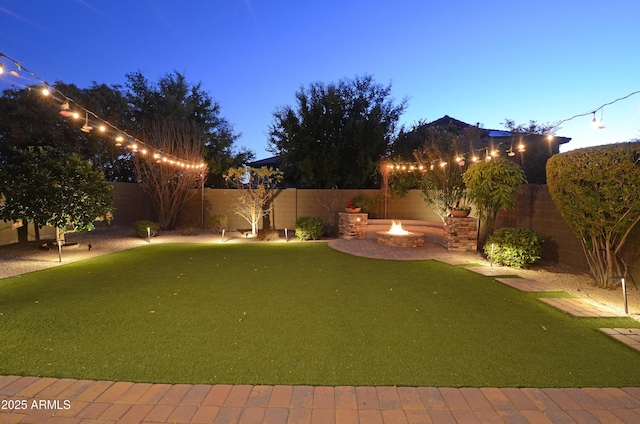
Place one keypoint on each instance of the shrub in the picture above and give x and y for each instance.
(141, 228)
(365, 203)
(218, 222)
(268, 235)
(189, 231)
(514, 247)
(309, 228)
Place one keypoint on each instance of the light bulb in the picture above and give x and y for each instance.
(45, 91)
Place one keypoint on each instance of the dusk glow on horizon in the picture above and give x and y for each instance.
(478, 62)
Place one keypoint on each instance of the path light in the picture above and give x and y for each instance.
(286, 235)
(222, 239)
(624, 292)
(149, 234)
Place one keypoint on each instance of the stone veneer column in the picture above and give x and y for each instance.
(461, 234)
(352, 225)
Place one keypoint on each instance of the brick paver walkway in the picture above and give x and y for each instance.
(62, 401)
(581, 307)
(69, 401)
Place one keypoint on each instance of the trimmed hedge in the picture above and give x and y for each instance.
(309, 228)
(514, 247)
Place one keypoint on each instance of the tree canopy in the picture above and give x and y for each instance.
(336, 133)
(47, 186)
(596, 191)
(173, 98)
(29, 119)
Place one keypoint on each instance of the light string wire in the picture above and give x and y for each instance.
(133, 142)
(493, 150)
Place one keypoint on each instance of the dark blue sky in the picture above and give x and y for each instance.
(476, 61)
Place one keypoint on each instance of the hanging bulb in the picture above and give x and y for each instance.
(45, 91)
(521, 147)
(594, 121)
(64, 110)
(86, 127)
(511, 152)
(550, 137)
(14, 73)
(102, 128)
(600, 124)
(119, 141)
(1, 69)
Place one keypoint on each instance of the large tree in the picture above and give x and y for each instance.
(29, 118)
(47, 186)
(170, 176)
(173, 98)
(596, 191)
(336, 133)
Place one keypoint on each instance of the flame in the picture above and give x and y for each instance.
(396, 228)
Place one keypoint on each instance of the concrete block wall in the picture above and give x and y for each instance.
(536, 211)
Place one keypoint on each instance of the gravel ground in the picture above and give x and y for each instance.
(21, 258)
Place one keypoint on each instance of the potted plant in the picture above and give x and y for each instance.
(351, 208)
(460, 211)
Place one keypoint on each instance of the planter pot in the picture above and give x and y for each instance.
(459, 214)
(352, 210)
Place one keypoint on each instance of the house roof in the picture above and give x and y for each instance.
(271, 162)
(448, 122)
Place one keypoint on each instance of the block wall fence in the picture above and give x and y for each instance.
(534, 210)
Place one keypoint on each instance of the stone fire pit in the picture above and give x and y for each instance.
(398, 237)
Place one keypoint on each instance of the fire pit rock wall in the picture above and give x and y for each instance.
(352, 226)
(400, 240)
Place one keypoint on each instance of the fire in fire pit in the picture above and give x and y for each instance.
(399, 237)
(396, 228)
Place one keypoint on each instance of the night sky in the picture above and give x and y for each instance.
(477, 61)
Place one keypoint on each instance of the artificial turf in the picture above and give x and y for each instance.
(296, 314)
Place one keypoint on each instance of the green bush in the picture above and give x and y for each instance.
(309, 228)
(514, 247)
(268, 235)
(188, 231)
(365, 203)
(218, 222)
(141, 228)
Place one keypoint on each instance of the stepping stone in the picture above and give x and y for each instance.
(454, 260)
(628, 336)
(526, 284)
(580, 307)
(491, 271)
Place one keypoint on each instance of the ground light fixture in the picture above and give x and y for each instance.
(624, 292)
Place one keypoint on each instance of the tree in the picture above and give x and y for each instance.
(47, 186)
(255, 188)
(441, 183)
(172, 98)
(596, 191)
(493, 186)
(29, 118)
(167, 179)
(336, 133)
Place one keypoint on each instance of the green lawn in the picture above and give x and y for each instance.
(296, 314)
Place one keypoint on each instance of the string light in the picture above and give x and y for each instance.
(66, 112)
